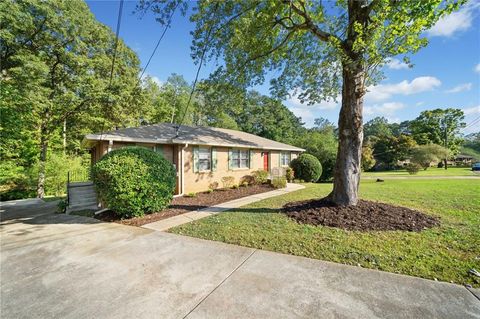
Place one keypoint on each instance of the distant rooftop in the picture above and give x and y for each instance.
(164, 133)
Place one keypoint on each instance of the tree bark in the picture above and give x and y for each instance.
(64, 136)
(350, 130)
(41, 168)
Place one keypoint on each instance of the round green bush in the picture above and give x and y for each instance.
(307, 167)
(133, 181)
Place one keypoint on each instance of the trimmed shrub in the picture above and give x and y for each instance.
(279, 182)
(260, 176)
(213, 186)
(247, 179)
(307, 167)
(133, 181)
(228, 181)
(413, 168)
(289, 174)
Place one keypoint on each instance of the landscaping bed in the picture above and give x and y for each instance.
(184, 204)
(365, 216)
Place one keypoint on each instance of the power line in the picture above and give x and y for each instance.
(475, 121)
(158, 42)
(119, 22)
(207, 38)
(117, 32)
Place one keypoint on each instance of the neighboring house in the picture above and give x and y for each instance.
(462, 159)
(201, 155)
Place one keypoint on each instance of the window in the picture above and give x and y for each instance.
(240, 159)
(204, 159)
(285, 159)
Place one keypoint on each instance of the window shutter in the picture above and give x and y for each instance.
(195, 160)
(290, 158)
(280, 159)
(230, 158)
(214, 159)
(250, 158)
(159, 149)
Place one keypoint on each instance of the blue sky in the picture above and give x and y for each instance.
(445, 74)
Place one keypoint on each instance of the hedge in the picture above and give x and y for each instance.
(307, 167)
(134, 181)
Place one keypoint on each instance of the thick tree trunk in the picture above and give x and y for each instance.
(41, 168)
(350, 130)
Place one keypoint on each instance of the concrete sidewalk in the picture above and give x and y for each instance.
(174, 221)
(65, 266)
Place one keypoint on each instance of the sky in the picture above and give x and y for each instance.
(445, 74)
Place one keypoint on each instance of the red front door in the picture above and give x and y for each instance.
(265, 161)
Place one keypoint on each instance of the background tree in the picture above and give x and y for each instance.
(439, 126)
(323, 144)
(377, 127)
(368, 160)
(471, 146)
(56, 61)
(388, 150)
(316, 51)
(425, 155)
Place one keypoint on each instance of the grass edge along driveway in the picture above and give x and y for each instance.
(444, 253)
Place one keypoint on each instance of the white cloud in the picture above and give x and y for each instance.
(388, 108)
(396, 64)
(309, 113)
(157, 80)
(385, 91)
(420, 103)
(460, 88)
(472, 110)
(324, 105)
(455, 22)
(477, 68)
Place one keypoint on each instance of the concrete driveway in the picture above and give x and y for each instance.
(59, 266)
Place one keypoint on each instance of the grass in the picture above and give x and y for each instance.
(430, 172)
(445, 253)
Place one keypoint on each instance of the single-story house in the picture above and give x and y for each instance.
(464, 159)
(202, 156)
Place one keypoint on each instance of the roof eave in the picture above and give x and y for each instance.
(97, 137)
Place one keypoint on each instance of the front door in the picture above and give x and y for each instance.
(265, 161)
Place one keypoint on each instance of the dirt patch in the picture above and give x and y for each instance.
(181, 205)
(365, 216)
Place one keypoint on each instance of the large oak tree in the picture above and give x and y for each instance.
(317, 49)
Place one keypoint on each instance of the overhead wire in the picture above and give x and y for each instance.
(192, 91)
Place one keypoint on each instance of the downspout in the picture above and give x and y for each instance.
(181, 171)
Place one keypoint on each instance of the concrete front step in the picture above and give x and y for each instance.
(82, 196)
(74, 197)
(76, 208)
(81, 184)
(82, 190)
(88, 202)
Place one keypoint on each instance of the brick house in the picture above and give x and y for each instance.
(200, 155)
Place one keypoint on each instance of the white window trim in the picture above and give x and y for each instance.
(288, 156)
(240, 168)
(209, 159)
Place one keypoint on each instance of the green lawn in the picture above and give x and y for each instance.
(446, 252)
(432, 171)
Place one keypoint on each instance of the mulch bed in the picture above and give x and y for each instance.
(181, 205)
(365, 216)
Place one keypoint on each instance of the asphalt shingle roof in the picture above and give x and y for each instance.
(196, 135)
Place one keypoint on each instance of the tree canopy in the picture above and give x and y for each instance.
(315, 48)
